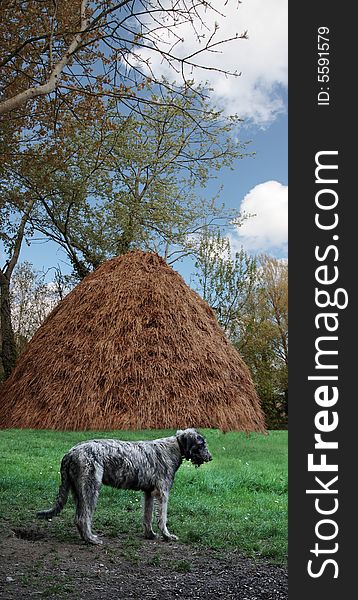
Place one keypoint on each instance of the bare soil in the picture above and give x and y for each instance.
(35, 565)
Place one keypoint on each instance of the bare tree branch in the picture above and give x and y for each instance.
(48, 87)
(111, 42)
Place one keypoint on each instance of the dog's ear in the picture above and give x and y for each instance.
(184, 442)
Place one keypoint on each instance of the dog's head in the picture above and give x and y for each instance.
(193, 446)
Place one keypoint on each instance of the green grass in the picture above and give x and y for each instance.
(236, 502)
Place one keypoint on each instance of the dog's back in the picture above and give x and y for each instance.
(122, 464)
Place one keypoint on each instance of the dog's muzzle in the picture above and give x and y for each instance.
(200, 458)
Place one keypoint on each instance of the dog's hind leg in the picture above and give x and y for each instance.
(148, 516)
(86, 492)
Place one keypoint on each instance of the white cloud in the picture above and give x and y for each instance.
(262, 59)
(267, 230)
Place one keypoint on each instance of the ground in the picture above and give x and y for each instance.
(35, 565)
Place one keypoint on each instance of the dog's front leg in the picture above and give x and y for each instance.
(148, 516)
(161, 498)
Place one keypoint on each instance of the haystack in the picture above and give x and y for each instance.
(131, 347)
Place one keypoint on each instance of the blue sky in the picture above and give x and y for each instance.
(257, 185)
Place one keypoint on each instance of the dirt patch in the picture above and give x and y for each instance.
(33, 566)
(28, 534)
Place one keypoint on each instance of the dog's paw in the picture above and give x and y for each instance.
(95, 540)
(170, 537)
(150, 535)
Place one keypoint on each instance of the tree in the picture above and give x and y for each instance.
(250, 299)
(64, 64)
(98, 49)
(263, 341)
(32, 298)
(274, 280)
(225, 281)
(12, 235)
(129, 181)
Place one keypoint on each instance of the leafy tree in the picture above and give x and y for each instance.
(100, 188)
(274, 280)
(263, 341)
(130, 181)
(13, 224)
(226, 282)
(32, 298)
(250, 298)
(65, 64)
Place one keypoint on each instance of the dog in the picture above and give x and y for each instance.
(149, 466)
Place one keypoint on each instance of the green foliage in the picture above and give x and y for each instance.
(263, 343)
(125, 180)
(225, 282)
(238, 501)
(250, 299)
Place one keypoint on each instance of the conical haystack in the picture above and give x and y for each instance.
(131, 347)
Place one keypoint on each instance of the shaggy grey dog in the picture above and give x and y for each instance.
(148, 466)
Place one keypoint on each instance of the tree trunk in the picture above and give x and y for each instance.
(8, 346)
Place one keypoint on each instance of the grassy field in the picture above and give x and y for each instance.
(238, 501)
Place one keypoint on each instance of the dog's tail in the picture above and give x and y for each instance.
(62, 495)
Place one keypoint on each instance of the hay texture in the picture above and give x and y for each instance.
(131, 347)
